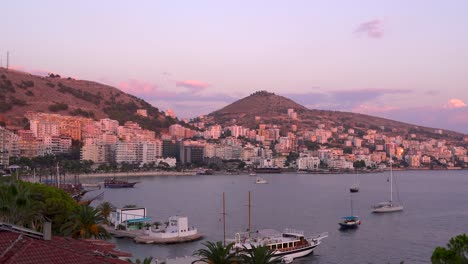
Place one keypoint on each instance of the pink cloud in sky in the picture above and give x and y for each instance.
(373, 29)
(142, 88)
(455, 103)
(370, 109)
(192, 84)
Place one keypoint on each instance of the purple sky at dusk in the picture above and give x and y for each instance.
(404, 60)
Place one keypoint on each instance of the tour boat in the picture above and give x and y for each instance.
(286, 245)
(113, 183)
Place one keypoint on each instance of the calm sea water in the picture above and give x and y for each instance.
(436, 209)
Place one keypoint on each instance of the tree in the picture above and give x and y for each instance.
(85, 223)
(455, 253)
(105, 209)
(216, 253)
(18, 206)
(259, 255)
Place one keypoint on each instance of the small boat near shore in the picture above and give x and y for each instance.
(260, 180)
(114, 183)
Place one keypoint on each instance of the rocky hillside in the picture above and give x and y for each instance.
(267, 108)
(21, 92)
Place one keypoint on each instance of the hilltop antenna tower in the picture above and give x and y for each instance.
(7, 59)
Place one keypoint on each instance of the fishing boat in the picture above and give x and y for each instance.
(113, 183)
(260, 180)
(252, 174)
(390, 206)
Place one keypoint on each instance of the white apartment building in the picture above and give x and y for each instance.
(126, 152)
(56, 144)
(306, 162)
(149, 151)
(340, 163)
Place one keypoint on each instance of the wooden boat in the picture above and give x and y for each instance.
(113, 183)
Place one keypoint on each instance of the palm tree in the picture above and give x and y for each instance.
(259, 255)
(216, 253)
(85, 223)
(105, 209)
(18, 206)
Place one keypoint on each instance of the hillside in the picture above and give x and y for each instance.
(21, 92)
(267, 108)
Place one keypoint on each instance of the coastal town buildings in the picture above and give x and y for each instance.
(106, 141)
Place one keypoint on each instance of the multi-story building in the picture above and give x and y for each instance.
(56, 144)
(191, 152)
(307, 162)
(94, 152)
(5, 136)
(126, 151)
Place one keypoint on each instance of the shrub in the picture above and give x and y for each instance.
(58, 107)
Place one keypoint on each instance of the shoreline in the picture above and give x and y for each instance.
(136, 174)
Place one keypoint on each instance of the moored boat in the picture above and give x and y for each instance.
(260, 180)
(286, 245)
(348, 222)
(177, 230)
(113, 183)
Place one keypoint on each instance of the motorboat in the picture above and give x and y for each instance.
(260, 180)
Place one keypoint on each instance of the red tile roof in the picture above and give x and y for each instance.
(19, 248)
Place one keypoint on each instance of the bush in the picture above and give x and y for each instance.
(16, 101)
(29, 93)
(58, 107)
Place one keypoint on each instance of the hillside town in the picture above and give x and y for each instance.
(231, 148)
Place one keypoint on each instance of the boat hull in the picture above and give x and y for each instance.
(354, 190)
(119, 185)
(348, 226)
(298, 253)
(388, 209)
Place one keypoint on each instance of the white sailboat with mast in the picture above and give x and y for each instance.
(390, 206)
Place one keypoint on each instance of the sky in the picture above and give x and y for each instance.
(399, 59)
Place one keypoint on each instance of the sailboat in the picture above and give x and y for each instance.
(355, 187)
(351, 221)
(390, 206)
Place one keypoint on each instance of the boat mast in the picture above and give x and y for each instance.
(224, 220)
(352, 213)
(249, 215)
(391, 176)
